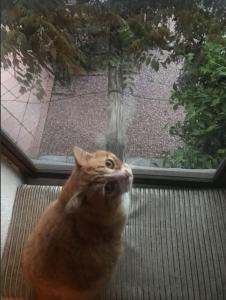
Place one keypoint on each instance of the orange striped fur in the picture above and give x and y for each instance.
(73, 250)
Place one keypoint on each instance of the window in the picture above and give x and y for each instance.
(143, 79)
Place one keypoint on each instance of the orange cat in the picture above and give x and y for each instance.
(73, 250)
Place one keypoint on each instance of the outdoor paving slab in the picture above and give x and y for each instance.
(23, 114)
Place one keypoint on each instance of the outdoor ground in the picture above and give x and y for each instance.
(77, 115)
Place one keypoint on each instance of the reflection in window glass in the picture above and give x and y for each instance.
(143, 79)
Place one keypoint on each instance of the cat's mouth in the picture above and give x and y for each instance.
(122, 179)
(125, 181)
(109, 187)
(121, 184)
(125, 184)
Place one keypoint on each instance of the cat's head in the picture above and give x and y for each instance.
(100, 178)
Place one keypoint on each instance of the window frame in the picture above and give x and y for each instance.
(56, 174)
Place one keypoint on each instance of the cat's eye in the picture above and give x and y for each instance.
(109, 187)
(109, 163)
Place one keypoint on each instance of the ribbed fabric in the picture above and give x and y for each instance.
(175, 244)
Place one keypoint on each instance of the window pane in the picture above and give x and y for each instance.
(143, 79)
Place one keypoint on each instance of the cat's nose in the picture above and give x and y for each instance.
(128, 170)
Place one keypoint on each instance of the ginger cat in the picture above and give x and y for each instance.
(73, 250)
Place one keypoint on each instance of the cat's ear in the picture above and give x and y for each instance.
(81, 156)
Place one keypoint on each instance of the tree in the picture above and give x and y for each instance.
(202, 92)
(38, 34)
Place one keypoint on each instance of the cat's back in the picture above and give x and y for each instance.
(56, 253)
(37, 247)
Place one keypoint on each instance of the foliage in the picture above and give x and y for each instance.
(202, 92)
(98, 34)
(38, 35)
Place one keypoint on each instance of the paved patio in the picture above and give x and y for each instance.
(77, 114)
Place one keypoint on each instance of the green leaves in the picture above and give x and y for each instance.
(148, 60)
(37, 36)
(125, 36)
(152, 61)
(203, 96)
(155, 64)
(89, 36)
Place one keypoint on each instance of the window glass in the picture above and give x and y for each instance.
(143, 79)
